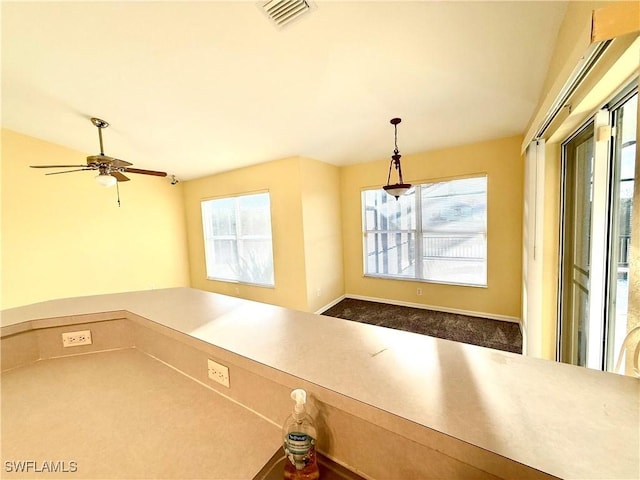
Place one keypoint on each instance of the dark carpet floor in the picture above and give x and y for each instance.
(496, 334)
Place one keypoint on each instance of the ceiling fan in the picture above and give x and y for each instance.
(110, 170)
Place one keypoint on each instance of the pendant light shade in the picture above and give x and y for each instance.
(399, 188)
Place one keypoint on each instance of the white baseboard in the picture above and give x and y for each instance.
(492, 316)
(329, 305)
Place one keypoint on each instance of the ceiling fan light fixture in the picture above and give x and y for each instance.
(106, 180)
(399, 188)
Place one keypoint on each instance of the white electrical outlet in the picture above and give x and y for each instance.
(73, 339)
(218, 373)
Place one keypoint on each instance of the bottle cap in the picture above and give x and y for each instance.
(300, 397)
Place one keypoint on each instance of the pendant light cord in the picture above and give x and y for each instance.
(395, 158)
(396, 155)
(396, 151)
(395, 161)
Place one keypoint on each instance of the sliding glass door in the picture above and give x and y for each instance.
(599, 178)
(624, 119)
(578, 194)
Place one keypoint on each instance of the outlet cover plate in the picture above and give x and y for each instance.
(218, 373)
(74, 339)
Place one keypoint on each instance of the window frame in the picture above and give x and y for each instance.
(419, 233)
(238, 237)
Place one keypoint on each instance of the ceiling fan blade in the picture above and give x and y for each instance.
(116, 162)
(69, 171)
(120, 177)
(55, 166)
(145, 172)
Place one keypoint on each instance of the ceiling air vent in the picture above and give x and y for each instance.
(283, 12)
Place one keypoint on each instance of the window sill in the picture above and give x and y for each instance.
(419, 280)
(238, 282)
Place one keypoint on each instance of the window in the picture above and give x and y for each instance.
(237, 239)
(436, 233)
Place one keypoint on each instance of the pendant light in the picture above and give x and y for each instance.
(399, 188)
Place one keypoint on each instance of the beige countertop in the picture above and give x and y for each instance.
(567, 421)
(121, 414)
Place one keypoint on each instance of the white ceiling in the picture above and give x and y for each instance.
(202, 87)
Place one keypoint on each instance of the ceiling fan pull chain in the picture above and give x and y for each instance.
(118, 192)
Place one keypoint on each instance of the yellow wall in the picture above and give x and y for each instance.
(322, 232)
(305, 218)
(502, 162)
(64, 236)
